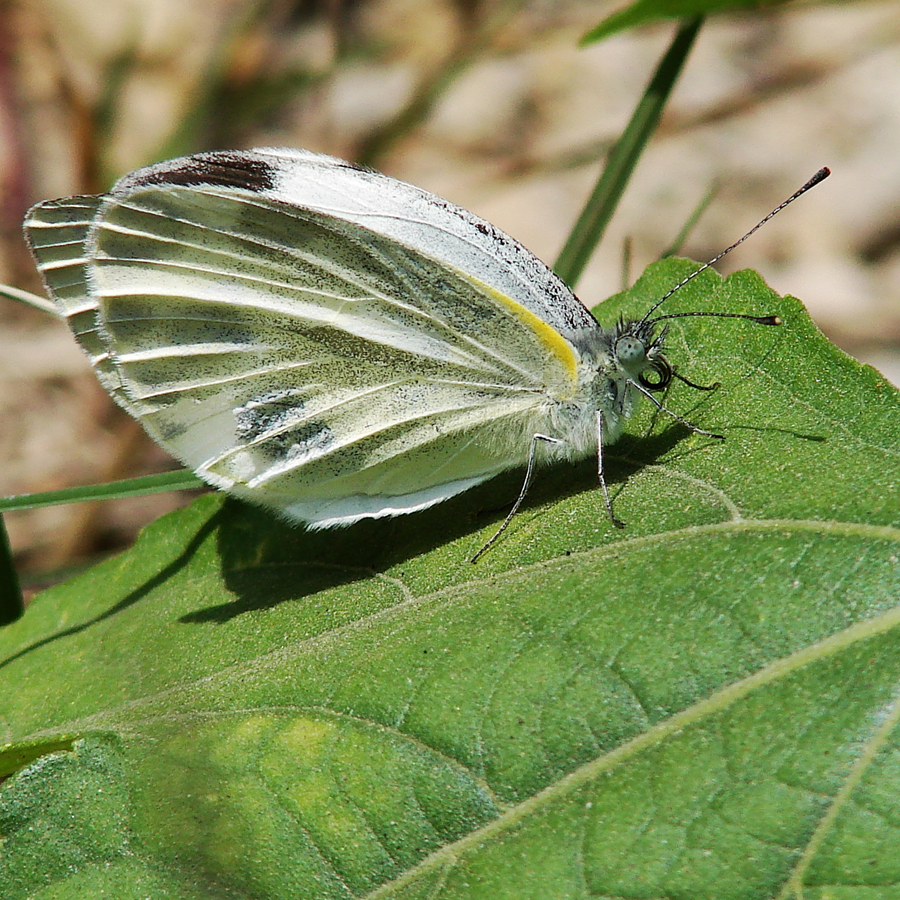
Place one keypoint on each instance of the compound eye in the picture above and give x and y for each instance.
(663, 371)
(630, 351)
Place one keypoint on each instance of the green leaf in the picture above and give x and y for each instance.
(703, 705)
(643, 11)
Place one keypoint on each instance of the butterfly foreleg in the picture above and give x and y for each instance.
(689, 425)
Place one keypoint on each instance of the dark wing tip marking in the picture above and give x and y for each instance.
(218, 169)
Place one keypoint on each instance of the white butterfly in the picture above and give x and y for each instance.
(332, 343)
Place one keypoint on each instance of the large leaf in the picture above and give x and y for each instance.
(702, 706)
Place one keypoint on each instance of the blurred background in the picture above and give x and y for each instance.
(490, 103)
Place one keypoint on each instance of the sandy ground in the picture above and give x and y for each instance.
(514, 129)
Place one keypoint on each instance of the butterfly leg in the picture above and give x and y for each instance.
(695, 428)
(529, 472)
(617, 522)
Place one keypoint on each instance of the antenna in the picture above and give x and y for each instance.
(821, 175)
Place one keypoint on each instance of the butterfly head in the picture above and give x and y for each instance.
(638, 349)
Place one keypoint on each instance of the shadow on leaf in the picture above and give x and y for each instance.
(266, 561)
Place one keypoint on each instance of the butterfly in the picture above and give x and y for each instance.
(335, 344)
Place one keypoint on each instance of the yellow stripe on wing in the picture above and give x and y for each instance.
(558, 347)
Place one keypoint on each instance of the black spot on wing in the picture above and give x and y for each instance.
(267, 414)
(220, 169)
(309, 439)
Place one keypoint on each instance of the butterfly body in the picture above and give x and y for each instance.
(330, 342)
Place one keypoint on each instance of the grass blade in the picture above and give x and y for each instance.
(178, 480)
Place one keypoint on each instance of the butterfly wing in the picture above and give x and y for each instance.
(314, 337)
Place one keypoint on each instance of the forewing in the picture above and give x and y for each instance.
(424, 223)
